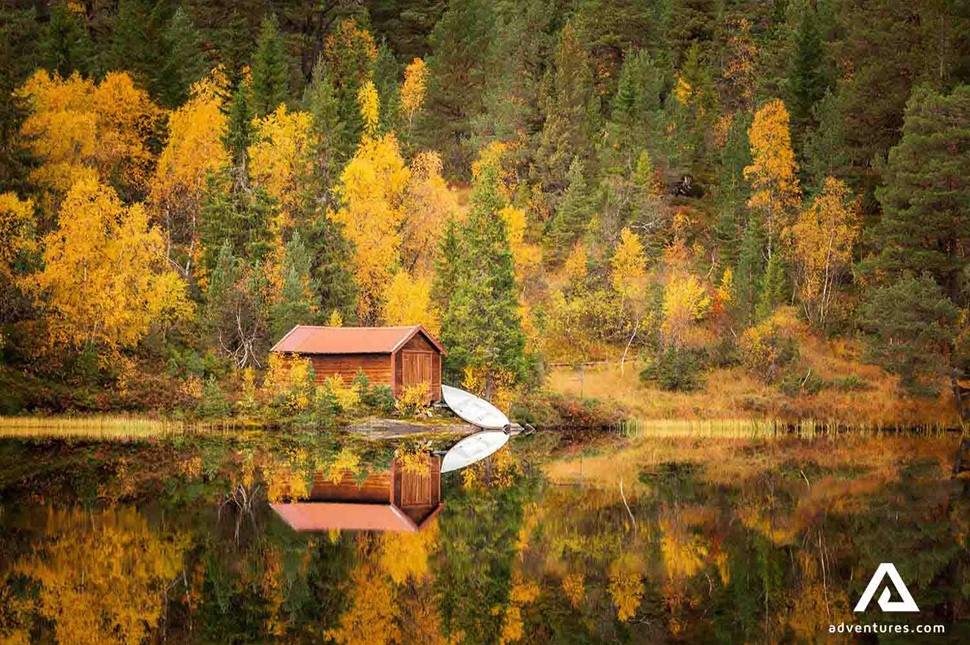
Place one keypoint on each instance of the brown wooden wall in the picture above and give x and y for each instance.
(376, 489)
(377, 367)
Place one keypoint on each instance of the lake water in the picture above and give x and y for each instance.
(606, 540)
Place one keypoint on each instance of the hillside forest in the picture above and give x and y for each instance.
(683, 188)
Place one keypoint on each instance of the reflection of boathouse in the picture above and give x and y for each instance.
(392, 500)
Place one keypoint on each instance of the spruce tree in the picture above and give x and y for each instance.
(66, 45)
(634, 113)
(386, 73)
(330, 140)
(185, 61)
(571, 110)
(749, 274)
(572, 215)
(774, 288)
(732, 190)
(481, 327)
(824, 149)
(18, 56)
(926, 198)
(270, 69)
(239, 130)
(298, 302)
(806, 84)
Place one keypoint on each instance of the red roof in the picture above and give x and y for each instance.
(325, 516)
(307, 339)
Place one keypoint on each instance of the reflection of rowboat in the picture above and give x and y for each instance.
(472, 449)
(474, 410)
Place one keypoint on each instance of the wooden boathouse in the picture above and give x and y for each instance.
(392, 356)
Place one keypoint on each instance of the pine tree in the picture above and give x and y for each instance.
(481, 326)
(571, 109)
(270, 69)
(66, 45)
(185, 61)
(926, 221)
(460, 44)
(883, 48)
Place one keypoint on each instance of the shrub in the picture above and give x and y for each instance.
(377, 399)
(851, 383)
(675, 370)
(767, 348)
(345, 397)
(412, 400)
(795, 383)
(214, 404)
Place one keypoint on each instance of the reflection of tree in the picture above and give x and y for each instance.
(102, 576)
(404, 556)
(478, 537)
(371, 617)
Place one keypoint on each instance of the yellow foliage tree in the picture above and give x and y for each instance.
(102, 576)
(105, 279)
(629, 279)
(428, 203)
(370, 107)
(372, 188)
(773, 174)
(16, 231)
(77, 128)
(408, 302)
(685, 302)
(823, 238)
(280, 159)
(193, 151)
(413, 89)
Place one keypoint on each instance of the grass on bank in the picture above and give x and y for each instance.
(121, 428)
(855, 394)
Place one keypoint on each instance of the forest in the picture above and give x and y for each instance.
(697, 193)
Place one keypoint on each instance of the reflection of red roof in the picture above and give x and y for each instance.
(324, 516)
(307, 339)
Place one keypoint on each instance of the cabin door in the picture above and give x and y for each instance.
(416, 368)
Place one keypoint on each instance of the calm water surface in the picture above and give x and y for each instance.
(652, 540)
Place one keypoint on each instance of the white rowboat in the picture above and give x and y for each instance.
(474, 410)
